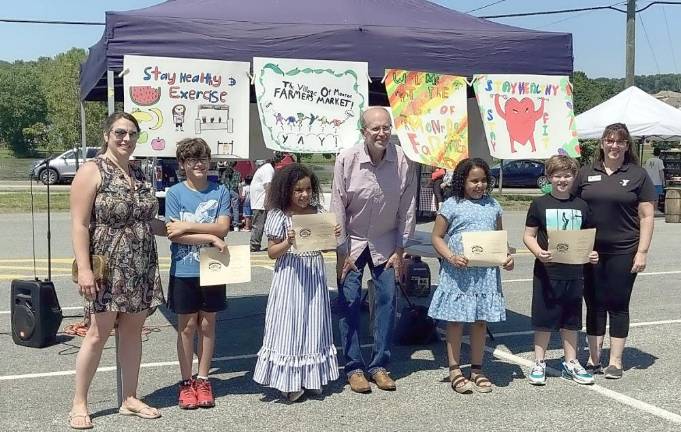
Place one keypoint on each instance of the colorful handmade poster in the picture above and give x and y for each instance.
(310, 106)
(176, 98)
(527, 116)
(430, 115)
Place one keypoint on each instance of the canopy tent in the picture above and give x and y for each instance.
(644, 115)
(408, 34)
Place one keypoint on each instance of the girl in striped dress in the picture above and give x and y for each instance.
(297, 352)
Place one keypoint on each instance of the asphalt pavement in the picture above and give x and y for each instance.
(36, 384)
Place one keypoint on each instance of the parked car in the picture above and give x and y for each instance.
(61, 168)
(521, 172)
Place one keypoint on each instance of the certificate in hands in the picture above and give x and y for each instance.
(314, 232)
(485, 248)
(231, 267)
(571, 247)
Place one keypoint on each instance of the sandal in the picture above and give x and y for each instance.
(459, 382)
(481, 383)
(85, 423)
(143, 411)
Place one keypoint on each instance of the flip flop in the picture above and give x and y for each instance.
(145, 412)
(87, 423)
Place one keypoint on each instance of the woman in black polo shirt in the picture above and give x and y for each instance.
(620, 195)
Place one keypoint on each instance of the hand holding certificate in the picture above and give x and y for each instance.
(231, 267)
(314, 232)
(485, 248)
(571, 247)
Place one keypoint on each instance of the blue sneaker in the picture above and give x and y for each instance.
(537, 375)
(574, 371)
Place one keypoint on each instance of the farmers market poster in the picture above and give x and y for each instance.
(431, 116)
(527, 116)
(176, 98)
(310, 106)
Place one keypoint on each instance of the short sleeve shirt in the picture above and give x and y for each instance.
(653, 166)
(548, 213)
(613, 201)
(188, 205)
(262, 176)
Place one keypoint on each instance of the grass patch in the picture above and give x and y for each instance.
(20, 202)
(514, 202)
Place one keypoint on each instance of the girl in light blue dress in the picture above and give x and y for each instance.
(467, 294)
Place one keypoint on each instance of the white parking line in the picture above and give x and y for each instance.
(634, 403)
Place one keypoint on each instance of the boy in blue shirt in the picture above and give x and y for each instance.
(557, 288)
(198, 213)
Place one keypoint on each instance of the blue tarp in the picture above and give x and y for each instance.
(408, 34)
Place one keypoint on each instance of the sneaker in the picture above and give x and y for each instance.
(574, 371)
(204, 393)
(187, 396)
(613, 372)
(537, 375)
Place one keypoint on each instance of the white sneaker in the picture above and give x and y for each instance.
(573, 370)
(537, 375)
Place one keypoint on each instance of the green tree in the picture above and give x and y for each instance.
(22, 105)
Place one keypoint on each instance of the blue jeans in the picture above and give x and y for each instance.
(350, 302)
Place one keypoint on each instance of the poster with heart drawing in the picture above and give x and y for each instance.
(527, 116)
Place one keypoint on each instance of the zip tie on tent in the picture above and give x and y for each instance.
(123, 72)
(472, 81)
(251, 77)
(385, 75)
(369, 78)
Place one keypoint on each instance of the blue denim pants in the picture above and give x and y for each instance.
(350, 302)
(234, 203)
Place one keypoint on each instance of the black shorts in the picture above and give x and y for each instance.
(187, 296)
(556, 304)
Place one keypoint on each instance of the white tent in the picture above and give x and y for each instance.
(644, 116)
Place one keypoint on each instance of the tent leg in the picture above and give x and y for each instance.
(501, 177)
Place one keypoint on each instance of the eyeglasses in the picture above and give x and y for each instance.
(194, 161)
(120, 133)
(612, 143)
(378, 129)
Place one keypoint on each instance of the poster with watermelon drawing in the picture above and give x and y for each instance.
(177, 98)
(527, 116)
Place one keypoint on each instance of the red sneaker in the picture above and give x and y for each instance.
(187, 396)
(204, 393)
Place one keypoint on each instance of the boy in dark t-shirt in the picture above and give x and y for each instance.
(557, 288)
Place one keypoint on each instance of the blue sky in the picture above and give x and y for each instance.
(598, 36)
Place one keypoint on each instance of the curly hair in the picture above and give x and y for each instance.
(284, 181)
(461, 174)
(620, 132)
(191, 148)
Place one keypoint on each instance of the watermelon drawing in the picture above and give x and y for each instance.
(145, 95)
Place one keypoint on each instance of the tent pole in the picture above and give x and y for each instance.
(501, 177)
(110, 99)
(83, 129)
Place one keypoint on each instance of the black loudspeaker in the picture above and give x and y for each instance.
(35, 313)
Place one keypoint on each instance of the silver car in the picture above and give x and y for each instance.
(61, 168)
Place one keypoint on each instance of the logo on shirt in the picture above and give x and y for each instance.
(624, 182)
(563, 219)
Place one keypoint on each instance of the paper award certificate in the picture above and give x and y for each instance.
(571, 247)
(314, 232)
(485, 248)
(231, 267)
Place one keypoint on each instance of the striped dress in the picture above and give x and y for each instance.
(297, 350)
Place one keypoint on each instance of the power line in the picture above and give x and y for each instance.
(26, 21)
(594, 8)
(671, 45)
(485, 6)
(652, 51)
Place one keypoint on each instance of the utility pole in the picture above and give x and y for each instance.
(631, 43)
